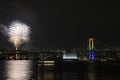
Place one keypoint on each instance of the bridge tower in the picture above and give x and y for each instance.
(91, 50)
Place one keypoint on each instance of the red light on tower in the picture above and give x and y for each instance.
(90, 39)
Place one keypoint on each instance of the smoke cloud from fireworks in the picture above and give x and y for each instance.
(18, 33)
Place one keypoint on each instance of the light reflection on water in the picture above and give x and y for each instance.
(29, 70)
(19, 70)
(91, 72)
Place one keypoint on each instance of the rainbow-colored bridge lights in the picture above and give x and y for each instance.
(91, 52)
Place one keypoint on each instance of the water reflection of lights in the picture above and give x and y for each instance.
(19, 70)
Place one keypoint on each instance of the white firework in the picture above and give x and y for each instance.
(18, 33)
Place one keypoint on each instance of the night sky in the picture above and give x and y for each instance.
(63, 23)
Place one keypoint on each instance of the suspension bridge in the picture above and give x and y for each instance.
(94, 49)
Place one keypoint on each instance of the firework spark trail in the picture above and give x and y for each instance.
(18, 33)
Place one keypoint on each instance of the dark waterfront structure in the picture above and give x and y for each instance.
(29, 55)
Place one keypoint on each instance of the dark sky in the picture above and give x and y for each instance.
(63, 23)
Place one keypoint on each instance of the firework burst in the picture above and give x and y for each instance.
(18, 33)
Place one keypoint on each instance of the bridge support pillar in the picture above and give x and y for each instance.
(91, 52)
